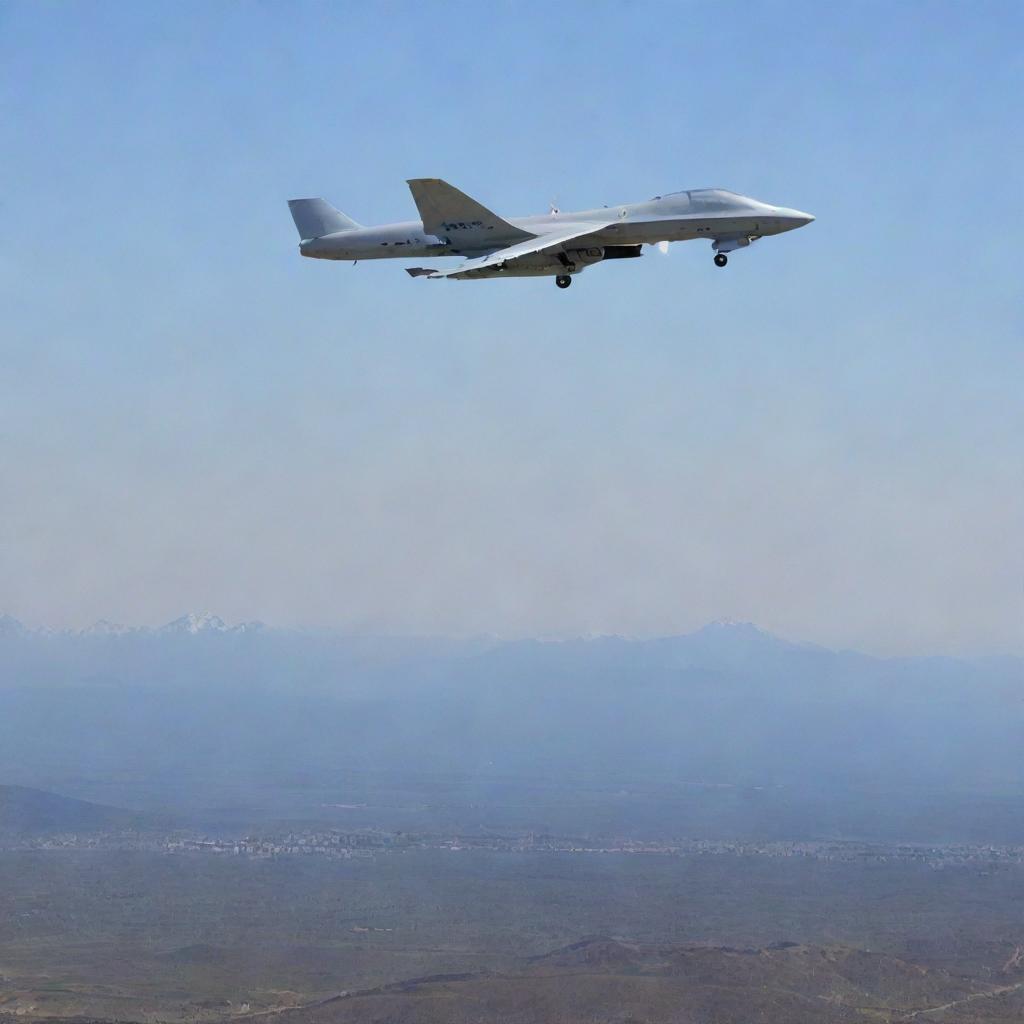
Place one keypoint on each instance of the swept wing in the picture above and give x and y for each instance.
(550, 240)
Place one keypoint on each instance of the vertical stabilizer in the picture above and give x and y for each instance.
(448, 213)
(316, 217)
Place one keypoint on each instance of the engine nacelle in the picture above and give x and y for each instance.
(596, 253)
(586, 257)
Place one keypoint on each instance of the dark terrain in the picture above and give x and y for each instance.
(189, 937)
(609, 980)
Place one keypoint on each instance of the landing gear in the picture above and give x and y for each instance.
(563, 280)
(721, 259)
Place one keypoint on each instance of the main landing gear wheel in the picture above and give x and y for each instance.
(563, 280)
(721, 259)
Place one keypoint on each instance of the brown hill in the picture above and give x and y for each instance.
(606, 980)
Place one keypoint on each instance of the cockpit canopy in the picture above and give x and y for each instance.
(709, 199)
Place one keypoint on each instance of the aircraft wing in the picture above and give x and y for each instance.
(550, 240)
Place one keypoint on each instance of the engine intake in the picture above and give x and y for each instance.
(595, 253)
(622, 252)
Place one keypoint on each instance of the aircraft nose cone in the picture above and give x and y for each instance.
(793, 218)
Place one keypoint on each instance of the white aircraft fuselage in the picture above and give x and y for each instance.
(557, 243)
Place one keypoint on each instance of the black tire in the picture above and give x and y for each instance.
(721, 259)
(563, 280)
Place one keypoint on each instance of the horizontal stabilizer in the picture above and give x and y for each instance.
(448, 213)
(316, 217)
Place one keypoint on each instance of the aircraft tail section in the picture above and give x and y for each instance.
(316, 217)
(449, 213)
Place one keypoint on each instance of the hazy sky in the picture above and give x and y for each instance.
(826, 438)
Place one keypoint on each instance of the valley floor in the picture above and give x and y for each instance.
(143, 936)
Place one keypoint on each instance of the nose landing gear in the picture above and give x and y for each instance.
(721, 259)
(563, 280)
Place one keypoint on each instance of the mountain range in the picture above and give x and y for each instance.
(725, 731)
(191, 623)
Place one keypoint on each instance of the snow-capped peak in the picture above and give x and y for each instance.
(193, 623)
(732, 626)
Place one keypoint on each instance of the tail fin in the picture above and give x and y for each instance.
(316, 217)
(449, 213)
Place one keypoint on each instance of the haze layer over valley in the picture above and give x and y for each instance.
(726, 732)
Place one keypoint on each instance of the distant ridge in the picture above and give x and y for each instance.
(10, 626)
(719, 633)
(107, 628)
(189, 624)
(722, 638)
(25, 811)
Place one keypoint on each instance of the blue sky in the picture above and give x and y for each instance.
(825, 438)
